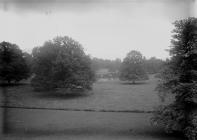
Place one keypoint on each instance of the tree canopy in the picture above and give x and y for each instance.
(132, 67)
(61, 62)
(13, 65)
(180, 78)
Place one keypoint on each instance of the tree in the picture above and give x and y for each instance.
(29, 61)
(180, 78)
(13, 66)
(61, 63)
(132, 67)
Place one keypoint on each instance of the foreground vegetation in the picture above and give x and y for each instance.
(180, 78)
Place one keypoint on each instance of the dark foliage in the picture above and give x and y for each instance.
(13, 65)
(180, 78)
(29, 61)
(61, 63)
(132, 67)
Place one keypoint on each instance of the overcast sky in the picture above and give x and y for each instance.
(106, 28)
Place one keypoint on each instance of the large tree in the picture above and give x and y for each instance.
(61, 63)
(13, 66)
(180, 78)
(132, 67)
(29, 61)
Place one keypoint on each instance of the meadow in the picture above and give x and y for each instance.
(112, 110)
(105, 95)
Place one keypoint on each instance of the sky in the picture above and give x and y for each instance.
(106, 29)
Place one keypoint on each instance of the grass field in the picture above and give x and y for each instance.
(73, 125)
(108, 95)
(117, 96)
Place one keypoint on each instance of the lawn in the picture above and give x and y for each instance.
(115, 96)
(106, 95)
(32, 124)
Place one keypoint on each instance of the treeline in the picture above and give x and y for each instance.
(151, 66)
(111, 65)
(60, 58)
(58, 63)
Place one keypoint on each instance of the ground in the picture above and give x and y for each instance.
(85, 116)
(106, 95)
